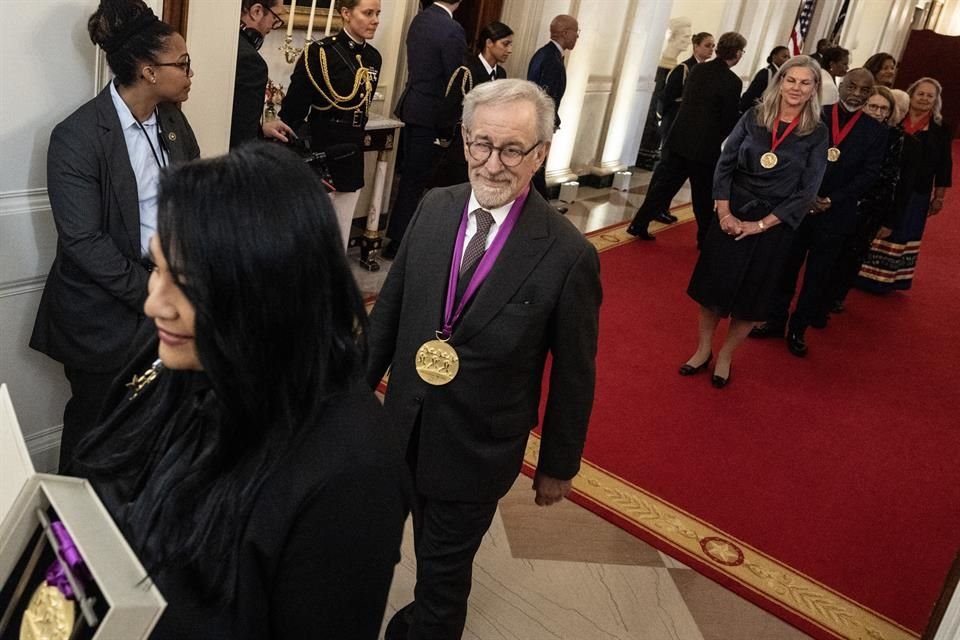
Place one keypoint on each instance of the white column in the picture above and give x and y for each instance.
(635, 85)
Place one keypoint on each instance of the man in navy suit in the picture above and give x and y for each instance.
(436, 44)
(857, 146)
(546, 70)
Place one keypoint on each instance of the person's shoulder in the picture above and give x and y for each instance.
(79, 122)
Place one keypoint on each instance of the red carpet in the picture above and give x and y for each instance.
(824, 489)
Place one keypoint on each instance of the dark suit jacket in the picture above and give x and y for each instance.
(464, 79)
(94, 295)
(542, 296)
(546, 69)
(435, 47)
(708, 112)
(248, 93)
(858, 169)
(673, 87)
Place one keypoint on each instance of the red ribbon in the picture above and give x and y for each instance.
(838, 133)
(774, 141)
(911, 128)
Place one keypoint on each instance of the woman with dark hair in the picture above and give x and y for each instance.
(767, 176)
(494, 46)
(836, 63)
(775, 60)
(883, 66)
(881, 207)
(250, 468)
(103, 167)
(332, 86)
(703, 46)
(892, 261)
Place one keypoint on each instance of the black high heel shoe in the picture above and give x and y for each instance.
(720, 383)
(689, 369)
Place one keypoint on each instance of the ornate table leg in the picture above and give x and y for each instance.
(370, 241)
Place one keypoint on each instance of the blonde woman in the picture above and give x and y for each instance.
(765, 180)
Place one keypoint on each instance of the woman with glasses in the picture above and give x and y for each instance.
(103, 166)
(251, 468)
(881, 207)
(332, 86)
(891, 263)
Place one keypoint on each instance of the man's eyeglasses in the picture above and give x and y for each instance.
(278, 22)
(510, 156)
(183, 66)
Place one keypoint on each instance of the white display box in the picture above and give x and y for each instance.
(621, 180)
(132, 603)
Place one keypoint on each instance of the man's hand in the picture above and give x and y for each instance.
(550, 490)
(822, 204)
(278, 130)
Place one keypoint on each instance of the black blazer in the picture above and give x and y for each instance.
(673, 88)
(857, 170)
(93, 299)
(542, 296)
(708, 112)
(436, 44)
(546, 69)
(248, 93)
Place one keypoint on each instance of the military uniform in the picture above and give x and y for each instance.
(331, 89)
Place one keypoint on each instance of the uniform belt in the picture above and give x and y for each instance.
(345, 118)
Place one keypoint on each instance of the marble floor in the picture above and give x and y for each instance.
(564, 573)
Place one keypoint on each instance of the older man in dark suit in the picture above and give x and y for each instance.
(436, 45)
(546, 70)
(488, 282)
(708, 112)
(857, 146)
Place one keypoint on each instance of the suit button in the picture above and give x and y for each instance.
(418, 398)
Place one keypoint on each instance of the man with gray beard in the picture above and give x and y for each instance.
(489, 280)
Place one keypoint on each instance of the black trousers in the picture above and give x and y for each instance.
(446, 537)
(819, 245)
(88, 391)
(668, 177)
(420, 157)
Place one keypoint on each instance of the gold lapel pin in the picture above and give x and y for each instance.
(172, 136)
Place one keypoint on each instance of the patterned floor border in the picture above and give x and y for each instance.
(616, 234)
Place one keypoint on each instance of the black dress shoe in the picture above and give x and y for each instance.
(796, 344)
(719, 382)
(665, 218)
(689, 369)
(767, 330)
(399, 625)
(640, 231)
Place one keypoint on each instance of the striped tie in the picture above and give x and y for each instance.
(478, 243)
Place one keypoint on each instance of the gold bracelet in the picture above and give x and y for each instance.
(762, 226)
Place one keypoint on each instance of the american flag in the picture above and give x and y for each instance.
(800, 28)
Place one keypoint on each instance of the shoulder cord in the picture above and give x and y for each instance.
(362, 77)
(466, 81)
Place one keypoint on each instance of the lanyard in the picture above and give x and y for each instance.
(840, 134)
(775, 142)
(450, 316)
(161, 162)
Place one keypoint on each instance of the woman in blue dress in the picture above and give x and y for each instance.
(764, 184)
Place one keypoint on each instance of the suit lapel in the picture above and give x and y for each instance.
(122, 180)
(435, 265)
(172, 135)
(528, 242)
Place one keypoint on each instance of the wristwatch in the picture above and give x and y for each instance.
(762, 226)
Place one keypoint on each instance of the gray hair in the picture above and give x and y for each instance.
(509, 91)
(768, 108)
(936, 116)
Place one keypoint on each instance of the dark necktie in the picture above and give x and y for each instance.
(493, 74)
(478, 243)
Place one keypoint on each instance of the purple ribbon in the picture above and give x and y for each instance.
(484, 267)
(69, 555)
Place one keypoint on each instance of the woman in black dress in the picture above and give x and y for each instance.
(251, 469)
(764, 184)
(332, 86)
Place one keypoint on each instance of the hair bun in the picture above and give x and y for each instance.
(116, 21)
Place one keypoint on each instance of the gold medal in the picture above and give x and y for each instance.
(768, 160)
(437, 362)
(49, 616)
(833, 154)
